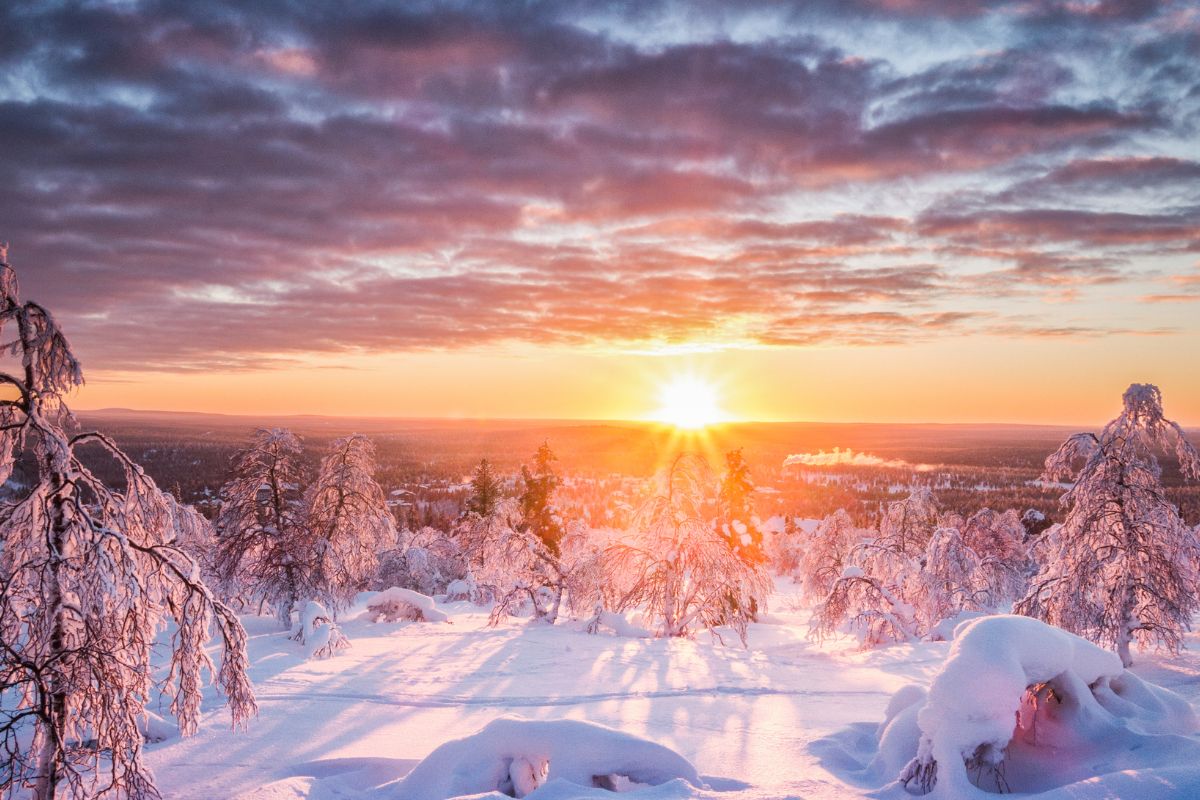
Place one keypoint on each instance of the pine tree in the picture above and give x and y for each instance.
(537, 499)
(736, 514)
(1123, 566)
(89, 575)
(485, 490)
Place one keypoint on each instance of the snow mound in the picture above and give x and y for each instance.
(1022, 706)
(516, 756)
(400, 605)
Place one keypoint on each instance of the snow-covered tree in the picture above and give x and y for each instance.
(877, 595)
(263, 542)
(905, 526)
(89, 575)
(949, 581)
(820, 562)
(998, 539)
(677, 564)
(348, 521)
(1123, 566)
(735, 511)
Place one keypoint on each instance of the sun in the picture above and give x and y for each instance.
(689, 402)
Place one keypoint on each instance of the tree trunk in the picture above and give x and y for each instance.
(52, 729)
(1125, 638)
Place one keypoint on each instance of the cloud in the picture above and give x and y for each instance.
(258, 182)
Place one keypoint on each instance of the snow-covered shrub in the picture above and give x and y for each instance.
(867, 607)
(1123, 566)
(909, 580)
(400, 605)
(428, 561)
(875, 595)
(949, 579)
(469, 590)
(317, 631)
(678, 566)
(1013, 696)
(515, 756)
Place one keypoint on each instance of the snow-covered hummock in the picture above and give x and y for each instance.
(398, 605)
(515, 756)
(1083, 711)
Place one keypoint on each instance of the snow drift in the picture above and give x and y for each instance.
(516, 756)
(1022, 706)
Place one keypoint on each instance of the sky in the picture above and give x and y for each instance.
(861, 210)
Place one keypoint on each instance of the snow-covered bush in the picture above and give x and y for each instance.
(785, 547)
(909, 580)
(317, 631)
(467, 589)
(949, 579)
(401, 605)
(1123, 566)
(677, 565)
(869, 608)
(1013, 697)
(876, 596)
(428, 561)
(515, 756)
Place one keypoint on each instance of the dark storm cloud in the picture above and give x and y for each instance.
(259, 181)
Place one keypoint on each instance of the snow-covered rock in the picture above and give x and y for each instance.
(513, 756)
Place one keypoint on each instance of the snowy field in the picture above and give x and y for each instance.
(785, 717)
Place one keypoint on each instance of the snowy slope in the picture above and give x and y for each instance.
(756, 722)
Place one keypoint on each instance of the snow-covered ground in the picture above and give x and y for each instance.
(781, 718)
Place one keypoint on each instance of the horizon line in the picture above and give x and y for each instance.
(584, 420)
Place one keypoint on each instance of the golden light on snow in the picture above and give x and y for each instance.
(689, 402)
